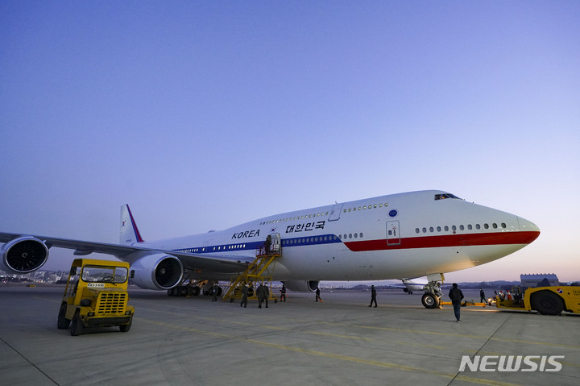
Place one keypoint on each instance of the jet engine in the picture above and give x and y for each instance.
(158, 272)
(23, 255)
(301, 285)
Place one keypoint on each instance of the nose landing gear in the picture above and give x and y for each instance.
(432, 296)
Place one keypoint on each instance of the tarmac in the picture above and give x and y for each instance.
(194, 341)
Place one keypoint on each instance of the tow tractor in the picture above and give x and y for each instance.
(546, 300)
(96, 295)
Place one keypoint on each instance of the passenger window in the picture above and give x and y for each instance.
(494, 226)
(486, 226)
(446, 228)
(431, 229)
(439, 229)
(503, 225)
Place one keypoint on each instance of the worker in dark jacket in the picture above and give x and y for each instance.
(244, 296)
(373, 296)
(482, 296)
(456, 297)
(283, 293)
(266, 294)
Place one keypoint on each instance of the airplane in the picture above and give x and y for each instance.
(404, 235)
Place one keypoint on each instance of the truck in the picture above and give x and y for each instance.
(546, 300)
(96, 296)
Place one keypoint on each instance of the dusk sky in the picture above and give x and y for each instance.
(205, 114)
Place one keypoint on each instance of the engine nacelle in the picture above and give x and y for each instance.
(23, 255)
(301, 285)
(159, 272)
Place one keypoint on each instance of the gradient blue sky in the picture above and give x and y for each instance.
(205, 114)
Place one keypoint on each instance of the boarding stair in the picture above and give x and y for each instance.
(258, 272)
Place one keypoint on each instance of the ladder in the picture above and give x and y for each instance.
(257, 272)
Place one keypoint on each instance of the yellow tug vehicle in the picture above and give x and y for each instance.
(546, 300)
(96, 296)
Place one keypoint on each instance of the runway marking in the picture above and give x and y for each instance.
(375, 339)
(462, 336)
(335, 356)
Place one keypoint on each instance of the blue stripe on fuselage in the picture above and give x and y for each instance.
(286, 243)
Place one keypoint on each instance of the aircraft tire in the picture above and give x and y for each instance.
(196, 291)
(63, 322)
(77, 325)
(547, 303)
(430, 301)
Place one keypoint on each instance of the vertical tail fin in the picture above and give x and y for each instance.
(129, 231)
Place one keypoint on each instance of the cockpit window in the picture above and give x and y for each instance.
(445, 195)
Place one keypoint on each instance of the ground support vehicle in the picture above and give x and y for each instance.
(96, 295)
(546, 300)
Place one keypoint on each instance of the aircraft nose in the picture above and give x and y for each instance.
(530, 231)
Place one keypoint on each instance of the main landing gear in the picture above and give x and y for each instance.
(432, 296)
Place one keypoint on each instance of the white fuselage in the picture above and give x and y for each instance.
(388, 237)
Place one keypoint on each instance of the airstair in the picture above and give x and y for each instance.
(258, 272)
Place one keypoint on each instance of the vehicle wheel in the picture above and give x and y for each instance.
(430, 301)
(77, 325)
(63, 322)
(126, 327)
(196, 291)
(547, 303)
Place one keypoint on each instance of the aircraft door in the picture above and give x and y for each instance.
(393, 234)
(335, 212)
(276, 246)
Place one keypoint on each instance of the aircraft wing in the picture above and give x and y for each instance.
(223, 264)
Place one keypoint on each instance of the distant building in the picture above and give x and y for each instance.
(539, 280)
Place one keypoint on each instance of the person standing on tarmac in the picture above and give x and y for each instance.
(260, 295)
(456, 297)
(283, 293)
(244, 296)
(265, 294)
(318, 294)
(373, 296)
(215, 289)
(482, 296)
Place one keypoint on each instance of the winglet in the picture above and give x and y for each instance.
(129, 231)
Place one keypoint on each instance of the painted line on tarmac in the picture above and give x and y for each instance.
(463, 336)
(334, 356)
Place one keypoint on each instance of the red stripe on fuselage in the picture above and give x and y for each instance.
(457, 240)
